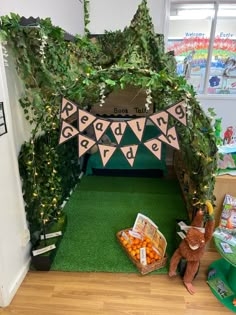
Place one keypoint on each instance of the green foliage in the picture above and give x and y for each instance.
(218, 130)
(49, 172)
(111, 45)
(52, 68)
(86, 16)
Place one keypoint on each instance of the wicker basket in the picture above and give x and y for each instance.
(142, 268)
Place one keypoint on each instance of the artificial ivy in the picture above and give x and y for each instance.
(52, 68)
(86, 17)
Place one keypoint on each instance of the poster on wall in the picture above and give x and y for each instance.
(3, 126)
(191, 54)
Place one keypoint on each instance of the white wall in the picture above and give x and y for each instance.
(112, 15)
(14, 240)
(66, 14)
(224, 107)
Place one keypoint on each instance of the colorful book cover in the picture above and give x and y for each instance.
(146, 227)
(228, 215)
(225, 236)
(220, 287)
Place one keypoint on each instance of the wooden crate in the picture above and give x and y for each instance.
(142, 268)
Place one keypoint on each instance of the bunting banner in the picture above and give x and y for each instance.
(100, 126)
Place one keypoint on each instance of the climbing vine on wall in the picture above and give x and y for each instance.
(86, 17)
(50, 68)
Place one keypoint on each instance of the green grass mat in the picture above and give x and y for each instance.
(101, 206)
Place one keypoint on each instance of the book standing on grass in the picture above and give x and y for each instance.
(146, 227)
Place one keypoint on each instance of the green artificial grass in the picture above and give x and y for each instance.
(101, 206)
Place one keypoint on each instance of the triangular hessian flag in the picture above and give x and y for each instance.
(118, 129)
(171, 138)
(100, 126)
(154, 145)
(84, 144)
(129, 152)
(106, 152)
(68, 108)
(160, 120)
(137, 125)
(67, 132)
(179, 112)
(84, 119)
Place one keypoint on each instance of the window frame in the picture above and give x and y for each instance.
(216, 4)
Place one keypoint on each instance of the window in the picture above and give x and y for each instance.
(203, 38)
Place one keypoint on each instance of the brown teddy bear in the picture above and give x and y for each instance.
(192, 248)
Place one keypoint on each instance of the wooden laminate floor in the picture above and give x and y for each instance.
(65, 293)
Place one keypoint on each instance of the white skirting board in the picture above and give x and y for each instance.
(7, 294)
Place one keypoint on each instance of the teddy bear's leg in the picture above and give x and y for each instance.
(192, 267)
(174, 262)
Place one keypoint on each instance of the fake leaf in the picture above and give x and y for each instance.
(110, 82)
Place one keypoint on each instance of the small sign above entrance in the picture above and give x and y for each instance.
(126, 103)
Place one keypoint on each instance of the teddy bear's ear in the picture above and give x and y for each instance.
(198, 219)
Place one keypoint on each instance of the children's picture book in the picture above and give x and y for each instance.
(228, 215)
(225, 236)
(220, 287)
(230, 135)
(226, 248)
(146, 227)
(226, 161)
